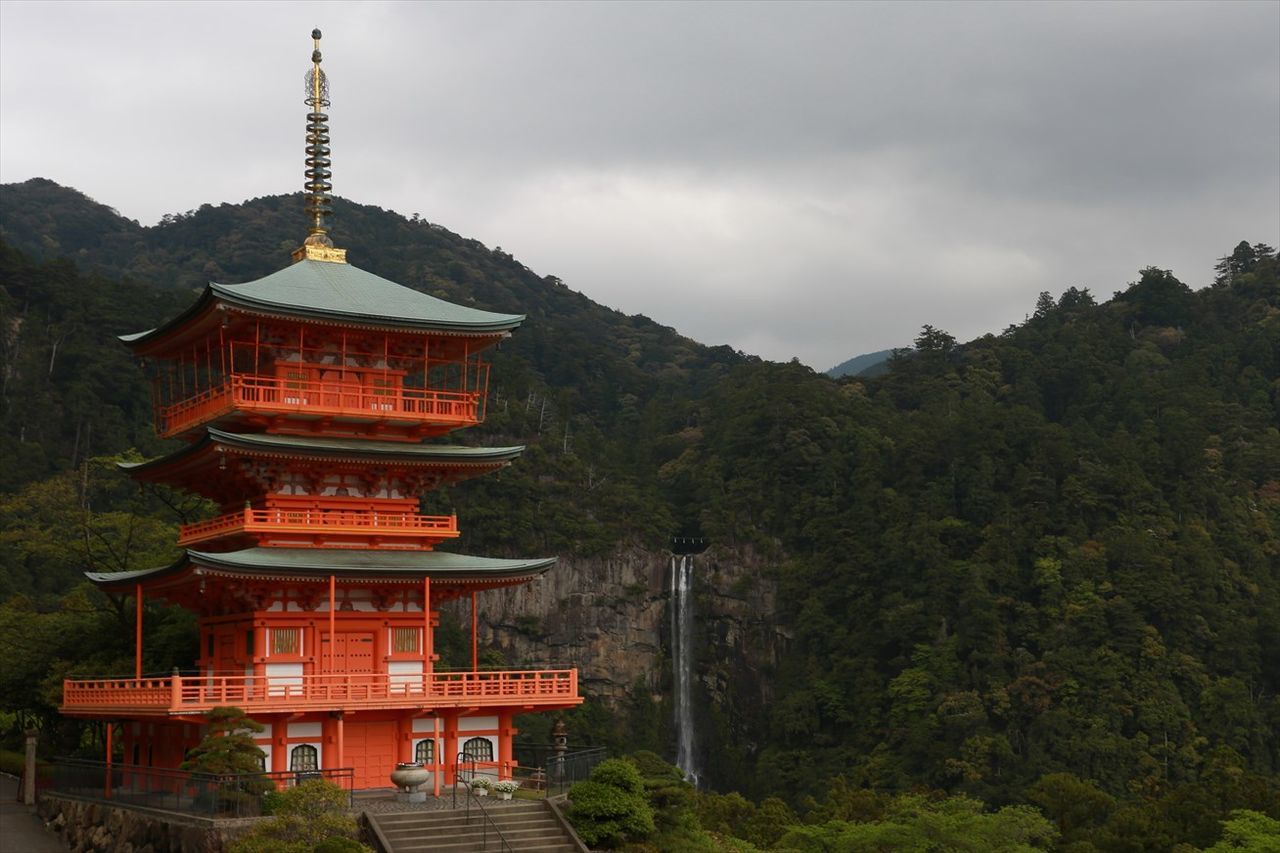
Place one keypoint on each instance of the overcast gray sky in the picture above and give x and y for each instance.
(811, 180)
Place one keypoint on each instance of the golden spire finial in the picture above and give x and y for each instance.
(318, 246)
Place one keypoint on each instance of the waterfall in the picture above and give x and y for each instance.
(682, 662)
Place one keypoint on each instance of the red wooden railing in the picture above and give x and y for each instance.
(274, 394)
(182, 694)
(318, 520)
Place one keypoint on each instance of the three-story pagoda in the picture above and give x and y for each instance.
(304, 399)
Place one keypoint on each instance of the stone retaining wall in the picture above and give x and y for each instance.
(90, 826)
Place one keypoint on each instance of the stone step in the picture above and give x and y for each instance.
(535, 808)
(460, 818)
(534, 823)
(404, 831)
(527, 827)
(430, 845)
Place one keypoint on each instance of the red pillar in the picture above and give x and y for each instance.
(106, 783)
(137, 639)
(436, 750)
(505, 758)
(279, 745)
(475, 648)
(451, 747)
(428, 641)
(342, 748)
(333, 637)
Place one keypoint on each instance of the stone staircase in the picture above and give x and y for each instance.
(529, 826)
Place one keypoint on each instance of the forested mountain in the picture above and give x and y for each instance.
(1041, 566)
(868, 364)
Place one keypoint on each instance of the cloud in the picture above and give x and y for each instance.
(803, 179)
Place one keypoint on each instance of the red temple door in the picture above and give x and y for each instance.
(351, 654)
(370, 749)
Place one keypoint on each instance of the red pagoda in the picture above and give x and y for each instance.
(304, 398)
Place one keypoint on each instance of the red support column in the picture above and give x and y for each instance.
(137, 639)
(505, 758)
(451, 747)
(106, 783)
(475, 648)
(279, 745)
(404, 739)
(428, 641)
(436, 764)
(342, 748)
(333, 637)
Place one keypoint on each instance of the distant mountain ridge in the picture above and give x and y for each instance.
(230, 243)
(867, 364)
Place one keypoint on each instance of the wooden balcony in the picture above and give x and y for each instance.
(531, 689)
(414, 412)
(319, 526)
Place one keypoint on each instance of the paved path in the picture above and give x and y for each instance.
(20, 830)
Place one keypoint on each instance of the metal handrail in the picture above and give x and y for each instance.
(180, 790)
(464, 759)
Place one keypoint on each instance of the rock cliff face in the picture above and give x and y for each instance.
(610, 617)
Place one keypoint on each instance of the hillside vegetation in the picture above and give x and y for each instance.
(1041, 567)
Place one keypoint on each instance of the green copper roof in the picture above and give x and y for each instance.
(383, 451)
(432, 452)
(344, 293)
(341, 291)
(343, 562)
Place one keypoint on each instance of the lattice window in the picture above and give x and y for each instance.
(304, 757)
(478, 749)
(286, 641)
(425, 752)
(404, 640)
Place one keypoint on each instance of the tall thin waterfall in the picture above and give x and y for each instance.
(682, 662)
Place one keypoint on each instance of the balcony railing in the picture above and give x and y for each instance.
(349, 402)
(397, 529)
(178, 694)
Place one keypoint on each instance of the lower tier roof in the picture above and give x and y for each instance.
(320, 563)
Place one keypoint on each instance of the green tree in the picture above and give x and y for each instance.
(227, 746)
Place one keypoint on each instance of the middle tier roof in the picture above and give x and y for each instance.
(195, 466)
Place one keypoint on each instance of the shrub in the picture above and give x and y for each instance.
(307, 816)
(607, 816)
(619, 773)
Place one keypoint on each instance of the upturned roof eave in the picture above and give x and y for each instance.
(226, 295)
(319, 564)
(304, 446)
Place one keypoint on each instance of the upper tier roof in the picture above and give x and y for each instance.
(340, 293)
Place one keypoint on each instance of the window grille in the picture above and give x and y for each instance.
(404, 639)
(304, 757)
(478, 749)
(425, 752)
(286, 641)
